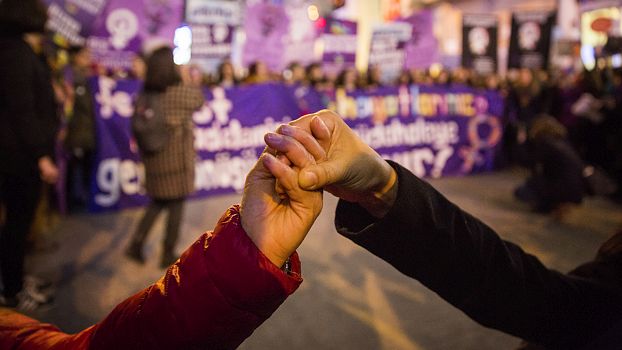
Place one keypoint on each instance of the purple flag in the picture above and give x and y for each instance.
(421, 40)
(265, 25)
(73, 19)
(126, 28)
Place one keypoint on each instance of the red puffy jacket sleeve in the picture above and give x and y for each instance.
(213, 297)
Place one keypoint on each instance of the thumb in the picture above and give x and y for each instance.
(314, 177)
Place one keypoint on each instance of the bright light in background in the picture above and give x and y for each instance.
(313, 12)
(587, 56)
(616, 60)
(183, 42)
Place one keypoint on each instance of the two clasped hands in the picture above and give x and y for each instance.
(283, 192)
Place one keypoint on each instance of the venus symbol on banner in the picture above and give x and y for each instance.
(529, 35)
(122, 24)
(479, 40)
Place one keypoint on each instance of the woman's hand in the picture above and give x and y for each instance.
(278, 222)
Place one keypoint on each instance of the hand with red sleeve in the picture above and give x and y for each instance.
(277, 223)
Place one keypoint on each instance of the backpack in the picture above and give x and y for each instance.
(149, 123)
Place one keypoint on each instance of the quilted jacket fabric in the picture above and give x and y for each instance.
(213, 297)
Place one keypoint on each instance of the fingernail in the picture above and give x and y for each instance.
(273, 138)
(286, 130)
(308, 179)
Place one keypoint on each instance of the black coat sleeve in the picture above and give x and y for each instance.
(28, 100)
(464, 261)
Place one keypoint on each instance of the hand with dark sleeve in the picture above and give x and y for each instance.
(430, 239)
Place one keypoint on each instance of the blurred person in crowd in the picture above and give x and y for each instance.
(224, 286)
(347, 80)
(443, 78)
(373, 77)
(80, 137)
(294, 74)
(403, 220)
(556, 169)
(192, 75)
(416, 76)
(257, 73)
(139, 67)
(404, 78)
(492, 82)
(226, 75)
(522, 106)
(567, 92)
(169, 173)
(28, 126)
(525, 97)
(589, 134)
(460, 76)
(314, 75)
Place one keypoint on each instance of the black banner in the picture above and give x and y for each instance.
(530, 42)
(479, 43)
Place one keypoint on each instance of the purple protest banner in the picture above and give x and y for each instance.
(116, 38)
(119, 174)
(230, 129)
(73, 19)
(421, 40)
(301, 35)
(339, 44)
(127, 28)
(433, 131)
(213, 24)
(387, 49)
(228, 139)
(160, 18)
(265, 25)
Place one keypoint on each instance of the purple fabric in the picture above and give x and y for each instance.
(73, 19)
(431, 130)
(265, 26)
(301, 35)
(126, 28)
(422, 40)
(118, 172)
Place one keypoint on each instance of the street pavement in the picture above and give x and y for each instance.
(349, 298)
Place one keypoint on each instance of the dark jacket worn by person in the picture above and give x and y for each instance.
(493, 281)
(28, 115)
(213, 297)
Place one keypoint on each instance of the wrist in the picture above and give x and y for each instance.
(378, 202)
(265, 245)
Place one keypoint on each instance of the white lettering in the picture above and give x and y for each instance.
(119, 101)
(115, 177)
